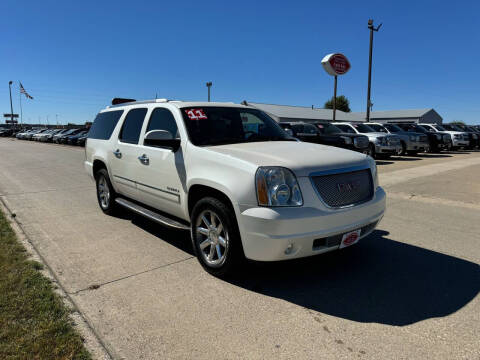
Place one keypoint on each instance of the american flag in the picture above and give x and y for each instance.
(23, 91)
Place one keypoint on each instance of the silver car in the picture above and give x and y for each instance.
(411, 142)
(381, 144)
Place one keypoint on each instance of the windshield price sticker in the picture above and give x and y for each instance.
(196, 114)
(320, 126)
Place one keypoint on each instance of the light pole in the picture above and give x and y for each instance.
(209, 85)
(372, 29)
(11, 105)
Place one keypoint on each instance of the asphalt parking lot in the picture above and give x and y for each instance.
(408, 291)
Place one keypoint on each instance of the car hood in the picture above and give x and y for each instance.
(452, 132)
(375, 134)
(408, 133)
(346, 134)
(301, 157)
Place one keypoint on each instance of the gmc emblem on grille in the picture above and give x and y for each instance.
(348, 186)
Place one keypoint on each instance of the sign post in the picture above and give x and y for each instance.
(335, 64)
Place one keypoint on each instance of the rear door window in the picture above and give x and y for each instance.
(103, 125)
(310, 129)
(132, 126)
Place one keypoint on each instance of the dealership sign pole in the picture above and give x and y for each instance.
(335, 64)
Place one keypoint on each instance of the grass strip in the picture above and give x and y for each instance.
(34, 322)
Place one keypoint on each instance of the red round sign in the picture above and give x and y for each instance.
(336, 64)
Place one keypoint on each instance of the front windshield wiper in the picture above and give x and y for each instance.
(224, 141)
(256, 138)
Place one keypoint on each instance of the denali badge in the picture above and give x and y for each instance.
(348, 186)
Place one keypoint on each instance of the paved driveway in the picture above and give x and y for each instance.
(408, 291)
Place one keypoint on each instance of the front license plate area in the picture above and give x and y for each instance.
(350, 238)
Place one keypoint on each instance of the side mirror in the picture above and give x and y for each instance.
(162, 139)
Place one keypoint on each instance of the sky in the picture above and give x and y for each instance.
(74, 57)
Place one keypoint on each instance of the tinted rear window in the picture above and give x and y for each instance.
(132, 126)
(104, 124)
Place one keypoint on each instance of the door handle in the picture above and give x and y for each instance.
(144, 159)
(117, 153)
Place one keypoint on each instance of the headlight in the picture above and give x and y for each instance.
(277, 186)
(381, 140)
(439, 137)
(346, 139)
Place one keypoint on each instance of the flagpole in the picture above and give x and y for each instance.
(21, 110)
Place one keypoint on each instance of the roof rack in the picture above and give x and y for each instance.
(118, 101)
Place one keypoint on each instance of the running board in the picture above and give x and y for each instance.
(140, 210)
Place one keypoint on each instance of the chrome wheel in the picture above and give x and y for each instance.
(103, 192)
(212, 238)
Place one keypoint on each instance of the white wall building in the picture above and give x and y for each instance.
(286, 113)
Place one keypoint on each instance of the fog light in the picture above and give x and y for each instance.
(289, 249)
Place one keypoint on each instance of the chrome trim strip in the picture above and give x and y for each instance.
(339, 171)
(124, 178)
(151, 187)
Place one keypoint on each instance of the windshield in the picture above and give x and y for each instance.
(438, 127)
(210, 125)
(451, 127)
(328, 129)
(429, 128)
(346, 129)
(378, 128)
(421, 128)
(363, 128)
(393, 128)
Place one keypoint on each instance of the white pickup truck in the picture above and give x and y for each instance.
(231, 176)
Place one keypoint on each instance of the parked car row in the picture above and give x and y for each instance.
(383, 140)
(58, 136)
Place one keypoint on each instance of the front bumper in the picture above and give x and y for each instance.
(268, 232)
(355, 148)
(388, 149)
(460, 142)
(418, 146)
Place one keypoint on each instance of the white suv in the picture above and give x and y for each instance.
(230, 175)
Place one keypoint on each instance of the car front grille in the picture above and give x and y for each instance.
(360, 142)
(344, 189)
(393, 140)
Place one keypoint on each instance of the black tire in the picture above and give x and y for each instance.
(109, 207)
(383, 156)
(403, 152)
(232, 257)
(371, 150)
